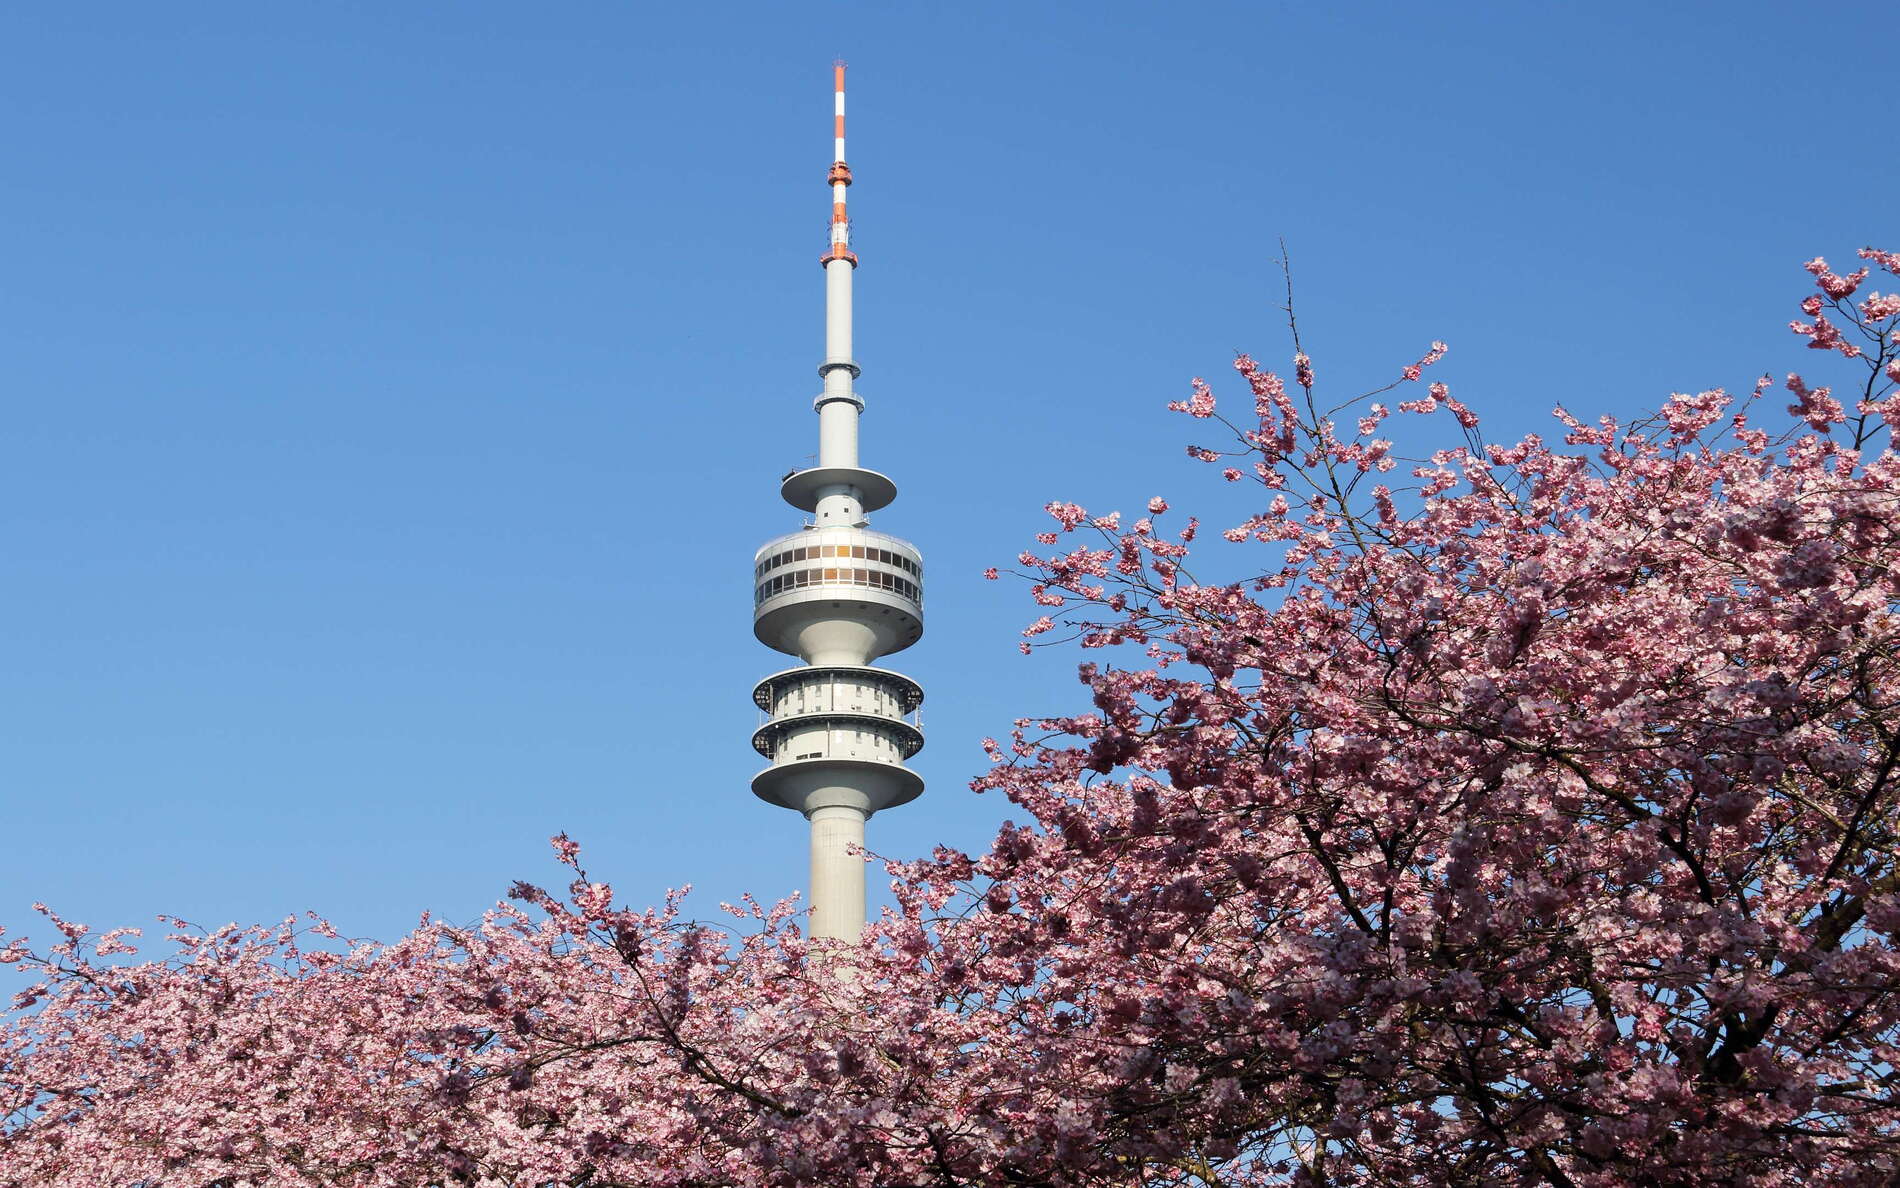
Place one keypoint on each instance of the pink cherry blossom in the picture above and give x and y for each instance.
(1879, 307)
(1414, 370)
(1888, 260)
(1200, 404)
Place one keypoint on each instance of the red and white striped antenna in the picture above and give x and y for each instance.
(840, 177)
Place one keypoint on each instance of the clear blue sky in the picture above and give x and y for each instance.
(394, 394)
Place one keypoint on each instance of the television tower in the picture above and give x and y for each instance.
(838, 596)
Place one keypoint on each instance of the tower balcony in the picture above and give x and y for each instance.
(838, 689)
(866, 785)
(849, 736)
(803, 488)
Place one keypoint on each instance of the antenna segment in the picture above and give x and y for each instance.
(838, 596)
(840, 176)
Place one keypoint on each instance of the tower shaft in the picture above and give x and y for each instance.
(837, 872)
(838, 404)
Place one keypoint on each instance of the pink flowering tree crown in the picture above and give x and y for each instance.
(1529, 819)
(1526, 816)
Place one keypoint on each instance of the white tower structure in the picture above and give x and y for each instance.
(838, 596)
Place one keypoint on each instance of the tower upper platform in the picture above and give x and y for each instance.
(806, 489)
(838, 595)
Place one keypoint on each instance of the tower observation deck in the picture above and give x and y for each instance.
(837, 729)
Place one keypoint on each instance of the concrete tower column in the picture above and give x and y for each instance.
(837, 873)
(838, 272)
(838, 404)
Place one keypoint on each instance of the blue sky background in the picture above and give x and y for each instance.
(394, 395)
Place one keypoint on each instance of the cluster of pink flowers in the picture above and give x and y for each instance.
(1414, 370)
(1199, 404)
(1869, 331)
(1529, 816)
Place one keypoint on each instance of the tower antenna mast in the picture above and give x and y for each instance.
(840, 174)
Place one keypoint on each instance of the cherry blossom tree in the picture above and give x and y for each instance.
(1526, 815)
